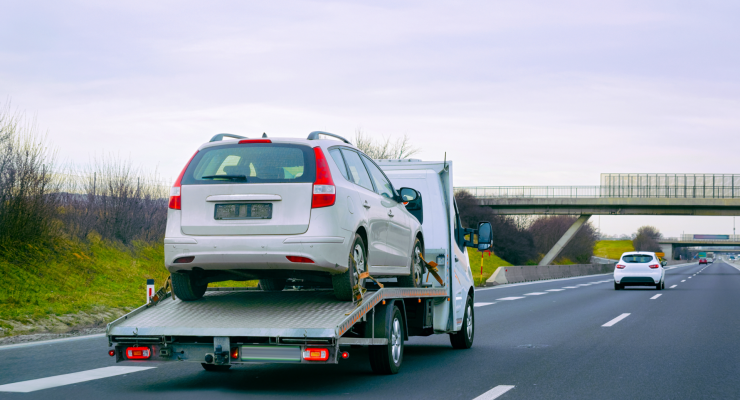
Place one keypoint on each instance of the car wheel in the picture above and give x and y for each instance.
(662, 285)
(215, 368)
(617, 286)
(464, 338)
(185, 287)
(659, 285)
(272, 284)
(416, 278)
(387, 359)
(357, 262)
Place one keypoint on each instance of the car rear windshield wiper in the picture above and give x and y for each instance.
(232, 177)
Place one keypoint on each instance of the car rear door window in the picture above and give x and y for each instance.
(637, 258)
(357, 172)
(382, 185)
(339, 161)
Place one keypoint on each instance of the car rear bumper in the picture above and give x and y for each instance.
(328, 253)
(643, 278)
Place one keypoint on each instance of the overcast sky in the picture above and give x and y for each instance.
(516, 92)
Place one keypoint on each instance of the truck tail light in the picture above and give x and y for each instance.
(620, 266)
(297, 259)
(175, 202)
(111, 353)
(235, 353)
(138, 353)
(324, 191)
(314, 354)
(655, 266)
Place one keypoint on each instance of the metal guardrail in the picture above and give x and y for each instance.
(701, 192)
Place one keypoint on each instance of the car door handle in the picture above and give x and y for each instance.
(390, 213)
(366, 205)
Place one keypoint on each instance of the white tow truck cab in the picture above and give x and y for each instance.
(230, 326)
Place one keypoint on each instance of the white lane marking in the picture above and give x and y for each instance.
(570, 287)
(683, 280)
(615, 320)
(689, 277)
(52, 341)
(554, 290)
(481, 304)
(68, 379)
(495, 392)
(510, 298)
(534, 294)
(672, 286)
(655, 297)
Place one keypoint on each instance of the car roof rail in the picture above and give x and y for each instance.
(315, 136)
(221, 136)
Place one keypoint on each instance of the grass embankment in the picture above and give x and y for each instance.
(612, 249)
(38, 282)
(490, 264)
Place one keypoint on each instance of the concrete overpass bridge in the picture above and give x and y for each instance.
(722, 243)
(618, 194)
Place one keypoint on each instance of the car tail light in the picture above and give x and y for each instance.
(324, 191)
(314, 354)
(655, 266)
(255, 141)
(620, 266)
(175, 202)
(235, 353)
(297, 259)
(184, 260)
(138, 353)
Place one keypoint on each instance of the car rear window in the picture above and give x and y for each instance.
(637, 258)
(251, 163)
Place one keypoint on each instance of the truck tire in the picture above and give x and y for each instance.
(215, 368)
(416, 278)
(387, 359)
(272, 284)
(185, 288)
(464, 338)
(344, 282)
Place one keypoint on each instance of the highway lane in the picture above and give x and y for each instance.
(682, 344)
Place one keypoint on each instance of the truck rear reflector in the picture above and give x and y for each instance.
(138, 353)
(314, 354)
(297, 259)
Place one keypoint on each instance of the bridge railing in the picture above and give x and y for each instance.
(701, 192)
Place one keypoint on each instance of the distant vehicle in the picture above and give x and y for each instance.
(639, 268)
(702, 260)
(710, 260)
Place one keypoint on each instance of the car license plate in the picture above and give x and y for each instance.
(243, 211)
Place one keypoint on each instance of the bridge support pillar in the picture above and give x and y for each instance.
(560, 245)
(667, 248)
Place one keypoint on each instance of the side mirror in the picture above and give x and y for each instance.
(409, 195)
(664, 263)
(412, 200)
(485, 236)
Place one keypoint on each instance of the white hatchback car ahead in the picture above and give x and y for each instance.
(278, 209)
(639, 268)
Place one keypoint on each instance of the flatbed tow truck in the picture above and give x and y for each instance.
(230, 326)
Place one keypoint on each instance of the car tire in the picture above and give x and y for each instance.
(464, 338)
(387, 359)
(416, 278)
(662, 284)
(272, 284)
(344, 282)
(617, 286)
(215, 368)
(185, 288)
(659, 285)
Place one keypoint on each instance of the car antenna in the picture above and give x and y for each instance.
(264, 135)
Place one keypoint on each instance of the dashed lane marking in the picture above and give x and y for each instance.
(535, 294)
(615, 320)
(495, 392)
(68, 379)
(481, 304)
(655, 297)
(554, 290)
(672, 286)
(570, 287)
(510, 298)
(683, 280)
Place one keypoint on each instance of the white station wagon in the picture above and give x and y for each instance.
(275, 209)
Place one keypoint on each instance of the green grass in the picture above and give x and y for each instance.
(36, 281)
(490, 264)
(612, 249)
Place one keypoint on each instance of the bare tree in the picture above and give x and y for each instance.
(384, 148)
(546, 231)
(646, 239)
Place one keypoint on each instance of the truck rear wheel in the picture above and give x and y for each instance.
(464, 338)
(416, 278)
(387, 359)
(272, 284)
(357, 261)
(185, 287)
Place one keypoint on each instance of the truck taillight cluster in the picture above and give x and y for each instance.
(138, 353)
(324, 191)
(314, 354)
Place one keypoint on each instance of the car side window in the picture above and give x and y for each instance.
(459, 236)
(357, 172)
(382, 185)
(339, 161)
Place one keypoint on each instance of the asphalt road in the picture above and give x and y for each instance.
(684, 344)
